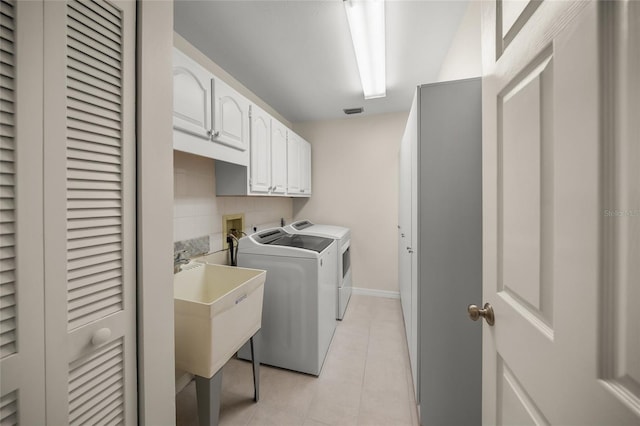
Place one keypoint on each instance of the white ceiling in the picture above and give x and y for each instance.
(297, 55)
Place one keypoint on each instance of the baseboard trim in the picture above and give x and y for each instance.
(376, 293)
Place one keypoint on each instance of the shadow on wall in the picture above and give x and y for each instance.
(298, 205)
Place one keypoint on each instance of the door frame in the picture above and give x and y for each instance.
(156, 365)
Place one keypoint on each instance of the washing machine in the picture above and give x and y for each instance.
(342, 236)
(298, 319)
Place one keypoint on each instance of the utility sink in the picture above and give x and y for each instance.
(217, 309)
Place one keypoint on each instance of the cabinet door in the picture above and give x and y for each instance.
(231, 116)
(191, 97)
(293, 164)
(278, 157)
(305, 167)
(260, 170)
(407, 238)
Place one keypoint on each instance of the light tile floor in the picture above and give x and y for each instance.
(365, 380)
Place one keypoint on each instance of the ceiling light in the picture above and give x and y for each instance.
(366, 22)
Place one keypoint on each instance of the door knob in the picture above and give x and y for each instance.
(101, 336)
(487, 313)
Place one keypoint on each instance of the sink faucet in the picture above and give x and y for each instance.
(179, 259)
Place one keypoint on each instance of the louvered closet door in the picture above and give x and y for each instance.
(89, 149)
(21, 258)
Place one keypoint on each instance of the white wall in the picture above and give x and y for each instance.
(198, 212)
(156, 384)
(464, 58)
(355, 184)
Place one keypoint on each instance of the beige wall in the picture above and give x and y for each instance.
(464, 59)
(198, 212)
(355, 184)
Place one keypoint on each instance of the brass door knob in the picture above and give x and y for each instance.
(487, 313)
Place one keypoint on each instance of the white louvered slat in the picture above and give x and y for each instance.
(94, 158)
(96, 385)
(84, 285)
(74, 175)
(87, 114)
(92, 204)
(92, 213)
(92, 146)
(92, 269)
(79, 29)
(89, 127)
(95, 106)
(93, 232)
(101, 141)
(94, 250)
(78, 95)
(100, 308)
(5, 142)
(81, 86)
(107, 225)
(9, 409)
(107, 285)
(8, 282)
(101, 13)
(94, 241)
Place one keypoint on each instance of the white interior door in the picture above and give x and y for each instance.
(89, 202)
(561, 190)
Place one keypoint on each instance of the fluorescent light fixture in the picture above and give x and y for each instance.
(366, 22)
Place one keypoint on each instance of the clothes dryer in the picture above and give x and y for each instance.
(342, 236)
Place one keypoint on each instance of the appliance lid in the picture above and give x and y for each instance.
(307, 242)
(301, 224)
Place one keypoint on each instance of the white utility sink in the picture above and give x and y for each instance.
(217, 309)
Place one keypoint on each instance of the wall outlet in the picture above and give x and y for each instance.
(232, 224)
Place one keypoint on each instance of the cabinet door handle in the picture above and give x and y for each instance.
(214, 133)
(409, 249)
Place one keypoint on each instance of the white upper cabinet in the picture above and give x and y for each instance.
(191, 97)
(298, 166)
(305, 167)
(267, 172)
(260, 169)
(258, 154)
(278, 158)
(209, 117)
(231, 116)
(293, 163)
